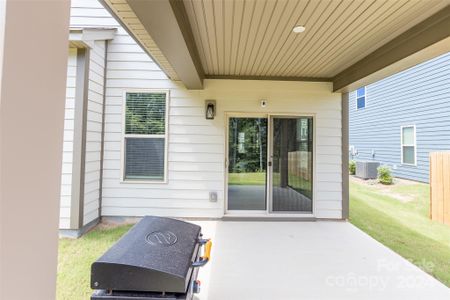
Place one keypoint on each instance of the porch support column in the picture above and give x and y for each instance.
(79, 139)
(33, 53)
(345, 147)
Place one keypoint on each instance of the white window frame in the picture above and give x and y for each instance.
(165, 136)
(365, 98)
(407, 145)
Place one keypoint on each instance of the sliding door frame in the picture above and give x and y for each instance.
(268, 212)
(270, 145)
(236, 212)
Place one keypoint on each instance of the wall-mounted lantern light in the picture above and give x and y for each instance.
(210, 109)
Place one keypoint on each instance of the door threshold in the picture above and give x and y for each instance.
(269, 218)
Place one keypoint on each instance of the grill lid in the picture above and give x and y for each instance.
(155, 255)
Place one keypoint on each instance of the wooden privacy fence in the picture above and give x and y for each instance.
(440, 187)
(300, 164)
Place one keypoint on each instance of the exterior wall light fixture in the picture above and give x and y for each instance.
(210, 109)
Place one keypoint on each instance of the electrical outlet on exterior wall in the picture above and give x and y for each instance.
(213, 196)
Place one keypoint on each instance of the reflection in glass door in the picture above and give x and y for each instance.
(247, 163)
(292, 163)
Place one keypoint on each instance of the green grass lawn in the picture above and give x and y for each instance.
(75, 259)
(403, 226)
(398, 217)
(256, 178)
(259, 178)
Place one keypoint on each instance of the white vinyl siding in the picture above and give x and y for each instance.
(196, 146)
(94, 119)
(408, 144)
(66, 177)
(94, 131)
(196, 150)
(85, 13)
(90, 13)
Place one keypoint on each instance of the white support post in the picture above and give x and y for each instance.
(33, 53)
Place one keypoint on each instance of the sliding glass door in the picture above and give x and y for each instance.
(270, 164)
(247, 163)
(291, 160)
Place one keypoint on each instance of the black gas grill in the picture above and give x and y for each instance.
(157, 259)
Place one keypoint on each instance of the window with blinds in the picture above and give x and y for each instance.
(145, 136)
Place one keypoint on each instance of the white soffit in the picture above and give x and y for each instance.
(255, 38)
(126, 15)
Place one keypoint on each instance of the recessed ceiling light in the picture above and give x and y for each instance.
(298, 29)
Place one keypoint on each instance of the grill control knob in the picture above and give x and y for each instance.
(196, 286)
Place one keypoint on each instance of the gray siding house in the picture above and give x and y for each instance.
(399, 120)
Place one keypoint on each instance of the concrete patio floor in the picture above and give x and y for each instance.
(307, 260)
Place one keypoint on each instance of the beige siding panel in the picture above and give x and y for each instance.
(236, 33)
(252, 37)
(394, 24)
(227, 22)
(268, 15)
(336, 16)
(375, 14)
(313, 18)
(94, 132)
(89, 13)
(306, 13)
(66, 175)
(279, 31)
(202, 34)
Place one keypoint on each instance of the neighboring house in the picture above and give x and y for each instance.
(399, 120)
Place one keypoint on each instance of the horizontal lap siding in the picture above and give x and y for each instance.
(418, 96)
(66, 178)
(197, 146)
(195, 152)
(90, 13)
(94, 131)
(295, 98)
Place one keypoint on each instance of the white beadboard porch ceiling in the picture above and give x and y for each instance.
(255, 38)
(347, 42)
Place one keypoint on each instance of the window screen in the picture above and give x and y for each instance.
(145, 136)
(145, 113)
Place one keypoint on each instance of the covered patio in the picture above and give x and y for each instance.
(308, 260)
(346, 44)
